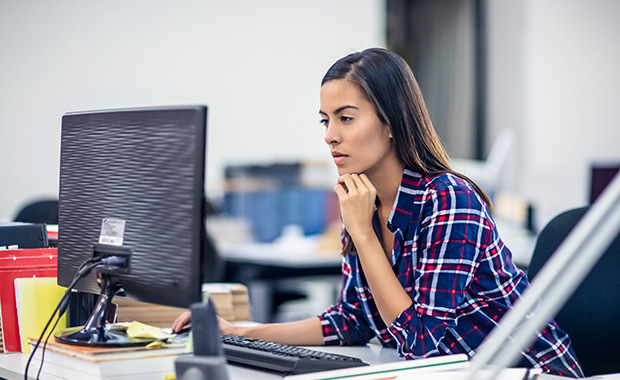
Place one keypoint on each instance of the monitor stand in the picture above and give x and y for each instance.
(95, 332)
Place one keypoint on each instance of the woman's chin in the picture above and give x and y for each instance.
(343, 171)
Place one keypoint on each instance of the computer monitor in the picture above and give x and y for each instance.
(132, 184)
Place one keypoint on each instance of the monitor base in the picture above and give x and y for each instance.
(95, 331)
(109, 337)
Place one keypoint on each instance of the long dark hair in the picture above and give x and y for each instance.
(389, 84)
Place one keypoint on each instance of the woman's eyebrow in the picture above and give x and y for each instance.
(344, 108)
(338, 110)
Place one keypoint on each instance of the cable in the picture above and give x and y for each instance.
(45, 344)
(82, 271)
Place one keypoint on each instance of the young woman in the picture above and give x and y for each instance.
(424, 269)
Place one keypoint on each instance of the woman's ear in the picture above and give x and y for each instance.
(389, 131)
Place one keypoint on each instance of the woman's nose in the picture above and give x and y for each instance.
(331, 135)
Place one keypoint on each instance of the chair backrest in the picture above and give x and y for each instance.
(591, 316)
(42, 211)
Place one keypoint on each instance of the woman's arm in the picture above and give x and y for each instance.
(357, 204)
(306, 332)
(389, 296)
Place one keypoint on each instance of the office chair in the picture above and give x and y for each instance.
(592, 314)
(41, 211)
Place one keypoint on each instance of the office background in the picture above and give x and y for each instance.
(551, 77)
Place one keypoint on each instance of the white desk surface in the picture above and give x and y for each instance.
(280, 255)
(12, 365)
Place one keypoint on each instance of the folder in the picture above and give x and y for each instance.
(37, 298)
(20, 263)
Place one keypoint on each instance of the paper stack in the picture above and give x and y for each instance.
(232, 301)
(147, 313)
(86, 363)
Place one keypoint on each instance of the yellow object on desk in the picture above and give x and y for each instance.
(36, 298)
(140, 330)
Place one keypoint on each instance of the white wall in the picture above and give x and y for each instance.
(256, 64)
(554, 78)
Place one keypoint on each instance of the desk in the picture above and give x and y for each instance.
(12, 365)
(265, 268)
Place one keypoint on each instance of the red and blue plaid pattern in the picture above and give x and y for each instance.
(449, 258)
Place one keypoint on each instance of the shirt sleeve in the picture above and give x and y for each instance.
(452, 237)
(345, 323)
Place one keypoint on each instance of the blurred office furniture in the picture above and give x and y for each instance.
(487, 173)
(40, 211)
(275, 275)
(23, 235)
(590, 317)
(601, 174)
(274, 196)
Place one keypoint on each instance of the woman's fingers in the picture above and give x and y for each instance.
(340, 190)
(182, 321)
(364, 179)
(348, 182)
(354, 184)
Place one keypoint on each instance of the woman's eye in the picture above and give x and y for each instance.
(324, 122)
(345, 119)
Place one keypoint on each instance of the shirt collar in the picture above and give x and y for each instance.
(405, 205)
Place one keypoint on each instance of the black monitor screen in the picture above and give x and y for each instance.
(134, 179)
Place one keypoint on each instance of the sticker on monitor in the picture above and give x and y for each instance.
(112, 231)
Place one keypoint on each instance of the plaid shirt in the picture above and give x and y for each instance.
(449, 258)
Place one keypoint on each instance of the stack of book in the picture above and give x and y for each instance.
(150, 314)
(232, 303)
(86, 363)
(231, 300)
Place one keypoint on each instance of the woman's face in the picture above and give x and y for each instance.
(358, 141)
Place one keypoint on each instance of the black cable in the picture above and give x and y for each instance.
(82, 271)
(45, 344)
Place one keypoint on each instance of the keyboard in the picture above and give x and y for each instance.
(282, 358)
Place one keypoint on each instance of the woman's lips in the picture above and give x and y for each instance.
(339, 158)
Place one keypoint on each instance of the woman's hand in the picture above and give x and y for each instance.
(184, 320)
(227, 328)
(357, 197)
